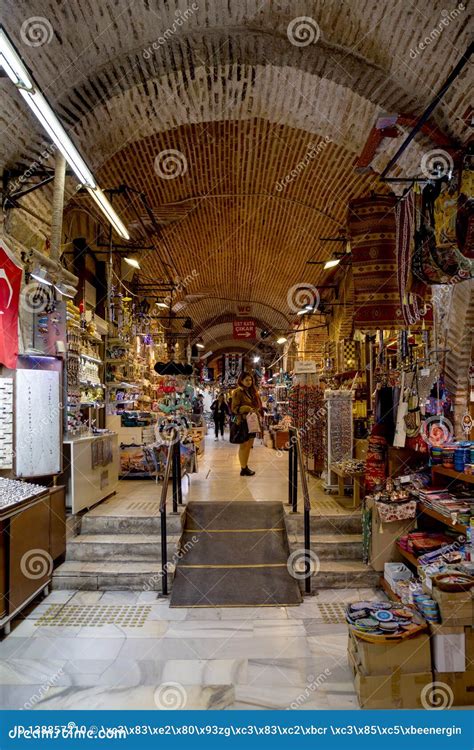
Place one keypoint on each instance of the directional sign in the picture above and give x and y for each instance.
(245, 329)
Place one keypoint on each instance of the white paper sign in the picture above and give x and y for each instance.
(37, 423)
(304, 366)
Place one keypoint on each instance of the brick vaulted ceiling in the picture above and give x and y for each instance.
(243, 104)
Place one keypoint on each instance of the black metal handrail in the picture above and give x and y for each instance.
(295, 462)
(173, 462)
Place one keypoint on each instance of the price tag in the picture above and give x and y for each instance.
(405, 479)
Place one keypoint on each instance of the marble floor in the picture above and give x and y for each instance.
(233, 658)
(264, 658)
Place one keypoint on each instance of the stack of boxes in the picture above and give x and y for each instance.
(390, 674)
(452, 644)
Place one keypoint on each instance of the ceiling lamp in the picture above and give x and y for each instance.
(282, 340)
(66, 290)
(332, 263)
(256, 359)
(200, 344)
(303, 312)
(40, 274)
(16, 70)
(132, 262)
(162, 304)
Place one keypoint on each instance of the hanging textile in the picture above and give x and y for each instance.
(414, 294)
(433, 263)
(371, 225)
(465, 210)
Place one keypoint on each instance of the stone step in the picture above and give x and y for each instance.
(340, 523)
(331, 546)
(95, 524)
(119, 547)
(343, 574)
(103, 576)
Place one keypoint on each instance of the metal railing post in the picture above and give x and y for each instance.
(290, 472)
(163, 499)
(178, 472)
(295, 478)
(296, 460)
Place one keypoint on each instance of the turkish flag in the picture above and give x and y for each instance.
(10, 286)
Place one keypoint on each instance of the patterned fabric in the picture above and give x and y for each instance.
(308, 414)
(371, 225)
(414, 294)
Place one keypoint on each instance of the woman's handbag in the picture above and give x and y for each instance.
(253, 422)
(239, 431)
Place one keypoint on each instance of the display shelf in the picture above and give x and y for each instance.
(443, 519)
(91, 359)
(461, 476)
(388, 590)
(409, 556)
(91, 383)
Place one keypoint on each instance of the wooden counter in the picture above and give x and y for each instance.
(32, 538)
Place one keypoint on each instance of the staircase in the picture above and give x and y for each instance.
(336, 540)
(118, 552)
(234, 554)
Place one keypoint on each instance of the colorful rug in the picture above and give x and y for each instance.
(372, 232)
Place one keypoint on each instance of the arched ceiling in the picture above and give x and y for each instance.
(223, 84)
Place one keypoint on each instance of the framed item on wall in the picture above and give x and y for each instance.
(37, 423)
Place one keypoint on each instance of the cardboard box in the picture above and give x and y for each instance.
(410, 655)
(461, 685)
(455, 609)
(448, 648)
(395, 690)
(469, 646)
(383, 540)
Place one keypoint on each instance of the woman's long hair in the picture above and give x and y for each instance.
(252, 390)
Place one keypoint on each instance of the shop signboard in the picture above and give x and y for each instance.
(10, 284)
(304, 366)
(245, 329)
(243, 310)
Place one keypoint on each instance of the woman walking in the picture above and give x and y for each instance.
(246, 400)
(220, 411)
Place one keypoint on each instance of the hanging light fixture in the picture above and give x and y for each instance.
(40, 275)
(16, 70)
(132, 262)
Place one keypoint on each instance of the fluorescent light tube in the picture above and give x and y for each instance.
(18, 73)
(107, 209)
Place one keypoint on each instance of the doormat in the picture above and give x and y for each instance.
(126, 616)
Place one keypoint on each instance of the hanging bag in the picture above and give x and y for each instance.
(253, 422)
(413, 415)
(239, 431)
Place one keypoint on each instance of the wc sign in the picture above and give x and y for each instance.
(245, 329)
(243, 311)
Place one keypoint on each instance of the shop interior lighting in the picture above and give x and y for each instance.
(332, 263)
(132, 262)
(16, 70)
(162, 304)
(40, 274)
(256, 359)
(66, 290)
(303, 312)
(282, 340)
(200, 344)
